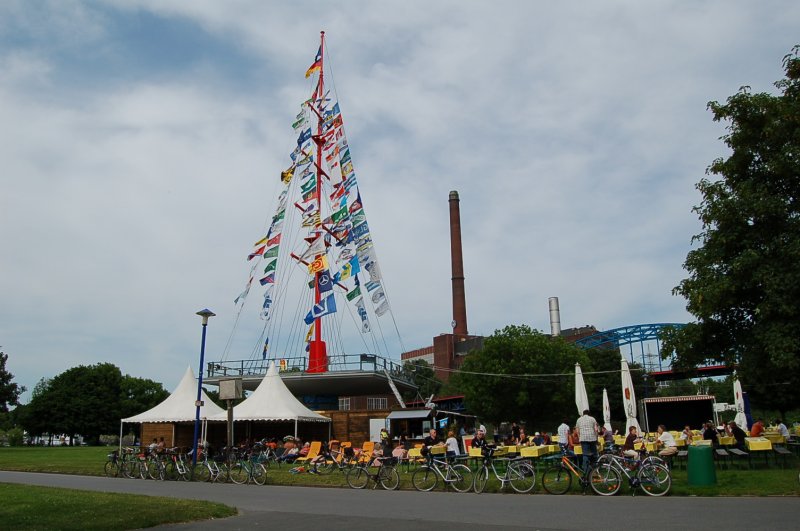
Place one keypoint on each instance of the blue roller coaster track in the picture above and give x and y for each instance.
(630, 335)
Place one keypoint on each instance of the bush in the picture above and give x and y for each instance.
(16, 437)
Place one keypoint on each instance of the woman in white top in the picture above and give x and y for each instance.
(452, 444)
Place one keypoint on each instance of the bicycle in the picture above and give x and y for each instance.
(359, 476)
(207, 470)
(652, 478)
(176, 465)
(246, 469)
(426, 477)
(336, 460)
(602, 478)
(519, 473)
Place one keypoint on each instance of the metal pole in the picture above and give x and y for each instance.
(205, 314)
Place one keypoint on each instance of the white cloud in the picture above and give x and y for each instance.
(574, 135)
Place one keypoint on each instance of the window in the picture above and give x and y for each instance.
(377, 403)
(344, 404)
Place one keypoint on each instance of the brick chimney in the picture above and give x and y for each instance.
(457, 264)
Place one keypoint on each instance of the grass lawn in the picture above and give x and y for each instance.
(760, 481)
(30, 507)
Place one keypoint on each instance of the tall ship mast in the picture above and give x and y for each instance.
(316, 264)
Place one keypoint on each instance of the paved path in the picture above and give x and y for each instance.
(336, 508)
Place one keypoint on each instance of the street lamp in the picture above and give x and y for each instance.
(205, 314)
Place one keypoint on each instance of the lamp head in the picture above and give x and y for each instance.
(205, 314)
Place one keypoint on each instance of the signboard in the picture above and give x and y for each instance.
(230, 389)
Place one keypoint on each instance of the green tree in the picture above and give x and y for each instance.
(423, 375)
(744, 278)
(139, 395)
(522, 374)
(9, 391)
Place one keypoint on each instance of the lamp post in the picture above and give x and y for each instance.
(205, 314)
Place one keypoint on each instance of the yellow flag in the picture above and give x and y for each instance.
(287, 174)
(318, 264)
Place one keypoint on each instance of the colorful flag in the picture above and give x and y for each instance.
(308, 186)
(272, 253)
(299, 123)
(259, 242)
(310, 331)
(243, 294)
(372, 285)
(304, 137)
(359, 231)
(353, 293)
(266, 347)
(318, 264)
(339, 214)
(312, 220)
(349, 269)
(308, 196)
(269, 279)
(362, 312)
(317, 247)
(274, 241)
(378, 297)
(324, 281)
(344, 254)
(287, 174)
(326, 306)
(257, 252)
(271, 266)
(316, 66)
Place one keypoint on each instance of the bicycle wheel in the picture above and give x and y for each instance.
(605, 480)
(480, 479)
(557, 480)
(171, 472)
(459, 477)
(389, 478)
(239, 473)
(655, 480)
(357, 477)
(155, 470)
(200, 472)
(111, 469)
(522, 477)
(325, 467)
(424, 478)
(259, 473)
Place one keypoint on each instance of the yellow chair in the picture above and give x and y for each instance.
(366, 452)
(313, 452)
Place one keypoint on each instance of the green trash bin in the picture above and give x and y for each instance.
(701, 469)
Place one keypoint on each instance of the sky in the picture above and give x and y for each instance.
(141, 144)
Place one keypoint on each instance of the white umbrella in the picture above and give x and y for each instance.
(581, 399)
(606, 411)
(628, 398)
(740, 419)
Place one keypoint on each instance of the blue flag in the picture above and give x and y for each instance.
(326, 306)
(324, 283)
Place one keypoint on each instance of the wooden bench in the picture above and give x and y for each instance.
(722, 457)
(740, 455)
(783, 452)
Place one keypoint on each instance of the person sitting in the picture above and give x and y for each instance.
(738, 434)
(710, 434)
(538, 440)
(757, 429)
(782, 429)
(480, 440)
(687, 434)
(305, 449)
(546, 439)
(629, 448)
(377, 454)
(290, 450)
(400, 452)
(666, 440)
(523, 438)
(574, 440)
(452, 444)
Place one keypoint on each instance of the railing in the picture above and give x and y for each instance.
(342, 363)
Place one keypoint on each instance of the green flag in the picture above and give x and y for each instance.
(353, 293)
(339, 214)
(272, 253)
(270, 266)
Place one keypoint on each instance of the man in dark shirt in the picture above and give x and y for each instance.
(430, 441)
(710, 434)
(738, 434)
(514, 431)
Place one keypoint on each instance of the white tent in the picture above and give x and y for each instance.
(628, 398)
(272, 401)
(179, 406)
(581, 398)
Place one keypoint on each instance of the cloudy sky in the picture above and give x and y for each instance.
(141, 142)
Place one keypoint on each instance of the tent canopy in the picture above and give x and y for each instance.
(180, 405)
(272, 401)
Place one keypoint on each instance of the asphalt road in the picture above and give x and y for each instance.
(337, 508)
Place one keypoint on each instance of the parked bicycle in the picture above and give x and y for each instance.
(247, 468)
(602, 478)
(427, 476)
(176, 469)
(518, 473)
(359, 476)
(208, 469)
(332, 460)
(654, 479)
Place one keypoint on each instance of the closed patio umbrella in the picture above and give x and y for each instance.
(741, 418)
(581, 399)
(606, 411)
(628, 398)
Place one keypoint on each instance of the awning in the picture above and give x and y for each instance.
(689, 398)
(410, 414)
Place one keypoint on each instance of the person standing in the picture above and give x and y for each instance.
(587, 433)
(514, 432)
(563, 436)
